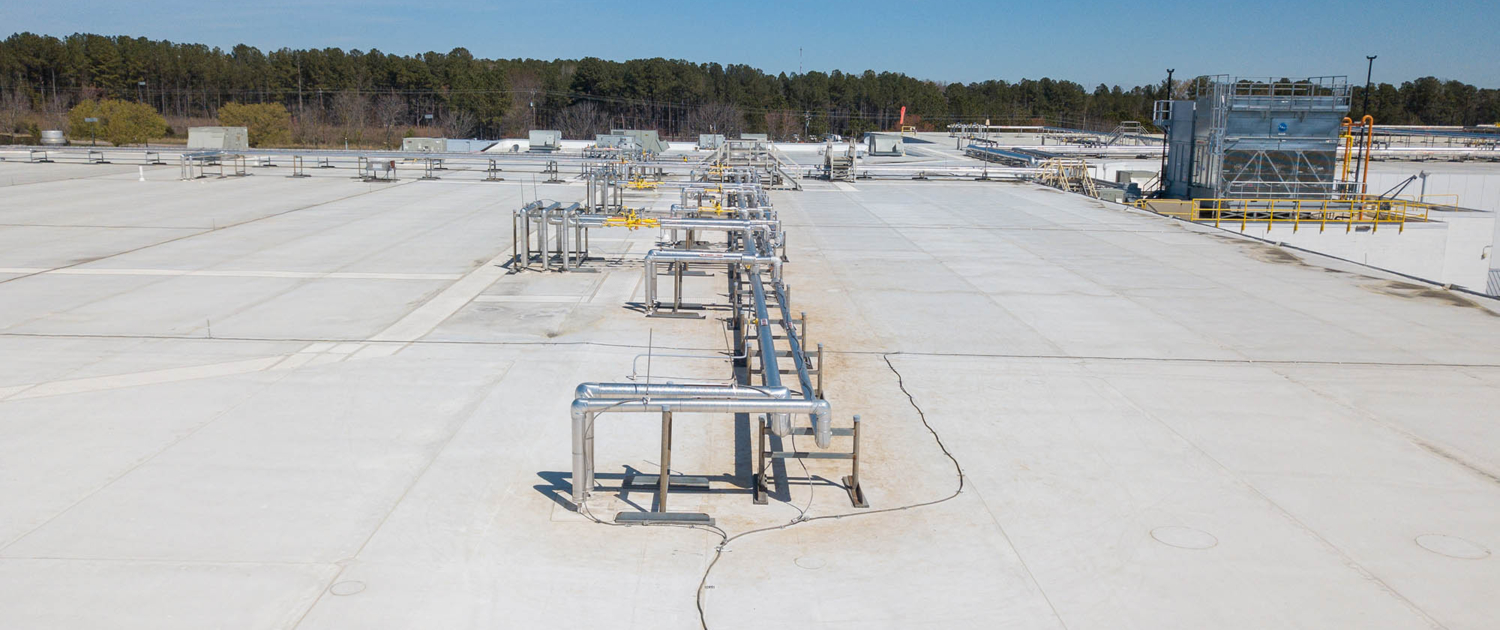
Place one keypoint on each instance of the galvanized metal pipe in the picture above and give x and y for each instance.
(629, 391)
(770, 373)
(658, 256)
(625, 391)
(822, 427)
(585, 410)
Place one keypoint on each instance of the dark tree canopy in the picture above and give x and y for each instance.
(680, 98)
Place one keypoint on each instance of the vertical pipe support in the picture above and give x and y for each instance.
(820, 371)
(662, 481)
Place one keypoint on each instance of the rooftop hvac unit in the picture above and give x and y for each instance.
(710, 140)
(545, 141)
(424, 145)
(219, 138)
(884, 144)
(756, 136)
(645, 139)
(615, 141)
(1255, 138)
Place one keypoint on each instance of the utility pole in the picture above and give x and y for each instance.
(1369, 70)
(1165, 137)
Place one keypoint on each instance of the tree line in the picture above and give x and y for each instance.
(377, 96)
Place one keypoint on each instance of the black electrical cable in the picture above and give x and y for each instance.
(803, 518)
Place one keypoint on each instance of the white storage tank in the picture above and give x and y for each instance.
(53, 138)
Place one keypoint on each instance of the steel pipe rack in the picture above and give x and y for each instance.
(766, 337)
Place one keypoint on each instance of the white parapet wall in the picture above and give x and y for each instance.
(1466, 184)
(1453, 249)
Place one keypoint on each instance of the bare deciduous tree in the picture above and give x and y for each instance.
(13, 109)
(55, 113)
(716, 118)
(390, 111)
(521, 117)
(582, 120)
(312, 127)
(351, 110)
(457, 123)
(782, 124)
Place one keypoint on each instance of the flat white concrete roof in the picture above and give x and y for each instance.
(319, 403)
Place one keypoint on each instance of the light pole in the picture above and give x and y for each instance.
(1369, 70)
(140, 96)
(1161, 179)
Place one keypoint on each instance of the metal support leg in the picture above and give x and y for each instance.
(527, 230)
(677, 288)
(820, 371)
(851, 482)
(761, 454)
(666, 461)
(588, 455)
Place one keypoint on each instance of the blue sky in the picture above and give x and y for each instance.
(1114, 42)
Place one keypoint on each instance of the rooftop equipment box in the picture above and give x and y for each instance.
(615, 141)
(646, 139)
(756, 136)
(885, 144)
(1256, 138)
(710, 140)
(425, 145)
(543, 140)
(219, 138)
(467, 145)
(1134, 177)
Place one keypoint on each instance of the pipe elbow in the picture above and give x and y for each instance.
(823, 424)
(579, 410)
(781, 424)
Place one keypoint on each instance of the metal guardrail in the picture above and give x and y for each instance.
(1297, 213)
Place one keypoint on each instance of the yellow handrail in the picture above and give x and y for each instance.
(1271, 211)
